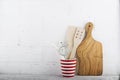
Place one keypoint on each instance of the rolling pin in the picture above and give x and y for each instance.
(89, 55)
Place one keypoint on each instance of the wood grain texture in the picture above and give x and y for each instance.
(89, 55)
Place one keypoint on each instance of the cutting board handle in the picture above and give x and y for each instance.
(88, 29)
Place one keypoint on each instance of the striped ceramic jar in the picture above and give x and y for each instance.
(68, 67)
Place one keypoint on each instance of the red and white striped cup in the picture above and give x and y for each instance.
(68, 67)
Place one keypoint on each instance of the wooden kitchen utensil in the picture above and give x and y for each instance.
(78, 37)
(69, 38)
(89, 55)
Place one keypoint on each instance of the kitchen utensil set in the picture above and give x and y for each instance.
(80, 46)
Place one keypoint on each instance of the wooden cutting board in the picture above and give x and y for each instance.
(89, 55)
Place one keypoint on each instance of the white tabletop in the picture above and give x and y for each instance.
(53, 77)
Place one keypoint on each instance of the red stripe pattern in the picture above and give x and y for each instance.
(68, 68)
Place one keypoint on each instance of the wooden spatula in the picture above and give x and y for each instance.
(89, 54)
(69, 38)
(78, 37)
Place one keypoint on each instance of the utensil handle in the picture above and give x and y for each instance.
(73, 53)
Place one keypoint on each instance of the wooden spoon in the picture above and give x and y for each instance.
(69, 38)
